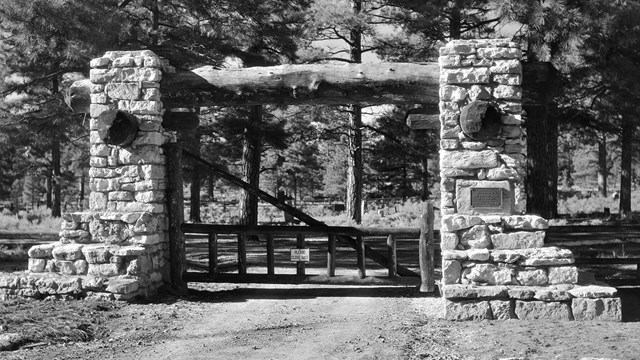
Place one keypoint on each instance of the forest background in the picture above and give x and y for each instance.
(321, 157)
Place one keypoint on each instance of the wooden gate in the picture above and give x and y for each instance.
(355, 238)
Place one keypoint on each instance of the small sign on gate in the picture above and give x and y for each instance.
(300, 255)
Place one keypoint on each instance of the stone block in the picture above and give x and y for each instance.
(543, 310)
(593, 291)
(507, 92)
(458, 291)
(478, 254)
(150, 196)
(511, 131)
(502, 309)
(512, 66)
(68, 252)
(97, 201)
(454, 255)
(93, 283)
(104, 270)
(563, 275)
(449, 61)
(507, 79)
(96, 254)
(548, 256)
(518, 240)
(452, 93)
(605, 309)
(470, 75)
(449, 133)
(468, 159)
(448, 241)
(521, 292)
(465, 310)
(124, 91)
(451, 223)
(449, 144)
(152, 239)
(128, 251)
(550, 294)
(488, 274)
(81, 266)
(477, 92)
(473, 145)
(100, 62)
(532, 277)
(503, 173)
(525, 222)
(66, 267)
(36, 265)
(451, 270)
(42, 251)
(123, 286)
(149, 138)
(500, 53)
(476, 237)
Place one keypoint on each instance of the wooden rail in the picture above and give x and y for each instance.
(301, 233)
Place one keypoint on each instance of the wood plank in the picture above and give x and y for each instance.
(300, 265)
(392, 255)
(360, 257)
(322, 230)
(242, 254)
(426, 249)
(175, 201)
(270, 255)
(331, 256)
(213, 253)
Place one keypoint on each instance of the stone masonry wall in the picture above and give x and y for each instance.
(495, 265)
(119, 248)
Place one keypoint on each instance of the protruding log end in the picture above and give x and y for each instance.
(78, 96)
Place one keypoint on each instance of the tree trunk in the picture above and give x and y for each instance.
(251, 149)
(210, 187)
(603, 170)
(626, 168)
(194, 214)
(539, 88)
(455, 21)
(56, 210)
(355, 164)
(49, 189)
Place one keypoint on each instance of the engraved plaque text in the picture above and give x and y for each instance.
(486, 198)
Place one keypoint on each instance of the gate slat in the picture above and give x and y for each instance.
(242, 254)
(392, 255)
(362, 271)
(300, 266)
(213, 253)
(270, 255)
(331, 256)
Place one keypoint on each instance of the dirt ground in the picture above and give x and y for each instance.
(228, 321)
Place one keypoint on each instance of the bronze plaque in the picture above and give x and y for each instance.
(486, 198)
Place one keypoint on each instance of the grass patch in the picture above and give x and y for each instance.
(37, 220)
(51, 322)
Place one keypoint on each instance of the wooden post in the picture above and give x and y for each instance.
(213, 253)
(270, 255)
(300, 266)
(175, 206)
(331, 256)
(242, 254)
(362, 270)
(427, 271)
(391, 255)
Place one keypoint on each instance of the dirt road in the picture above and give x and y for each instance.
(330, 322)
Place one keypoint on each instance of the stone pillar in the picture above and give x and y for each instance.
(491, 250)
(119, 248)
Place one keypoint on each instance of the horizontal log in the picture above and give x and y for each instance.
(294, 230)
(363, 84)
